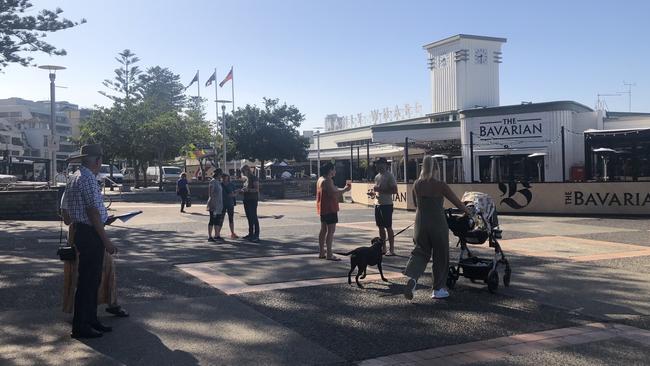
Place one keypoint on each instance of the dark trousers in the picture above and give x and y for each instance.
(183, 195)
(91, 259)
(250, 208)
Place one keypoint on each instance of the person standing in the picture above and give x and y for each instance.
(251, 198)
(86, 209)
(215, 207)
(229, 203)
(431, 233)
(384, 189)
(183, 190)
(327, 207)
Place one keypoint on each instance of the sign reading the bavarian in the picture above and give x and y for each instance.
(609, 199)
(510, 129)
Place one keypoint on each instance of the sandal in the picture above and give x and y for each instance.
(118, 312)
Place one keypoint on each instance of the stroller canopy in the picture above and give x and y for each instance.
(483, 204)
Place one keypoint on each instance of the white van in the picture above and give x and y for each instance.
(170, 173)
(104, 172)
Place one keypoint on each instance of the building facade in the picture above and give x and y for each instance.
(27, 126)
(475, 139)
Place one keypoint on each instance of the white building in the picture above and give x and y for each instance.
(476, 139)
(30, 122)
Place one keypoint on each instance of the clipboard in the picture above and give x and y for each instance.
(123, 217)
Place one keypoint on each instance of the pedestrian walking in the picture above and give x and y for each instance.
(229, 199)
(327, 207)
(215, 207)
(183, 190)
(431, 234)
(251, 198)
(384, 189)
(86, 209)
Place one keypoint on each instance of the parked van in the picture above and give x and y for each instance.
(170, 173)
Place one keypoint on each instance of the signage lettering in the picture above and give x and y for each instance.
(510, 128)
(399, 197)
(333, 122)
(579, 198)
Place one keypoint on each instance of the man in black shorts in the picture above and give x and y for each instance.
(384, 189)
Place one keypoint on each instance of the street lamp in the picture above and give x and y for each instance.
(223, 129)
(318, 149)
(51, 147)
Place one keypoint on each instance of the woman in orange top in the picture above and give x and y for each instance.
(327, 206)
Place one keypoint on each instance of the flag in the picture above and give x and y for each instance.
(228, 77)
(211, 79)
(196, 78)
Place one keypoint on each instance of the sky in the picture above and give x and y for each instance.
(347, 56)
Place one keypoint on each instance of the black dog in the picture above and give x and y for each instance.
(363, 257)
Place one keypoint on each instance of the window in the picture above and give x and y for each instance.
(16, 141)
(4, 139)
(15, 152)
(172, 171)
(45, 140)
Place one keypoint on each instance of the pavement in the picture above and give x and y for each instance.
(578, 296)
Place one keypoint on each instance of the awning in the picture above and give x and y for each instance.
(426, 132)
(384, 150)
(618, 131)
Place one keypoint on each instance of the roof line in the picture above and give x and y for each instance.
(459, 36)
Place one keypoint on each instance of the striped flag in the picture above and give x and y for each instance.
(196, 78)
(228, 77)
(211, 79)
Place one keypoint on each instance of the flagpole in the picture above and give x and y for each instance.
(216, 103)
(198, 86)
(232, 84)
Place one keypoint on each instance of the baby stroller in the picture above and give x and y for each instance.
(482, 226)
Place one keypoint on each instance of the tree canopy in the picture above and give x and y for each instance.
(268, 133)
(21, 33)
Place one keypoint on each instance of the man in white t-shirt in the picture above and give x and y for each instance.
(385, 187)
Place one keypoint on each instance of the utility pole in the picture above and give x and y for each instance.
(629, 94)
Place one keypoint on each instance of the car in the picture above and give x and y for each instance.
(170, 173)
(105, 174)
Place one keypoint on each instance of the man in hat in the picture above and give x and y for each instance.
(384, 189)
(86, 209)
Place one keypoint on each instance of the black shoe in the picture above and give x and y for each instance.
(246, 237)
(86, 333)
(118, 311)
(101, 327)
(210, 239)
(219, 239)
(254, 239)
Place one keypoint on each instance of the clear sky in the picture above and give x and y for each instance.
(348, 56)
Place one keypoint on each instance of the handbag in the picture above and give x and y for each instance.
(188, 202)
(65, 251)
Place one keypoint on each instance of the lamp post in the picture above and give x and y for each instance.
(223, 130)
(52, 150)
(318, 149)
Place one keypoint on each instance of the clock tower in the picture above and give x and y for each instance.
(464, 72)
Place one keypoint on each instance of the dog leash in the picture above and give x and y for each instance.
(403, 230)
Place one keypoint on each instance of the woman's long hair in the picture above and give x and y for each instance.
(427, 169)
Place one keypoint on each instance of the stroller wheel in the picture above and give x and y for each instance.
(452, 277)
(493, 281)
(506, 275)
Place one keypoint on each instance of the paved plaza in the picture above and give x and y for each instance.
(579, 295)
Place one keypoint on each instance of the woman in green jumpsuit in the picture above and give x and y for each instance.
(431, 236)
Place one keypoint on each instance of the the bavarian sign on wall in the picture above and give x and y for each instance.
(620, 198)
(510, 130)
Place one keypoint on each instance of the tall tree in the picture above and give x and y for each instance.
(268, 133)
(126, 83)
(24, 33)
(163, 89)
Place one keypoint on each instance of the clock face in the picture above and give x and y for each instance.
(442, 61)
(480, 56)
